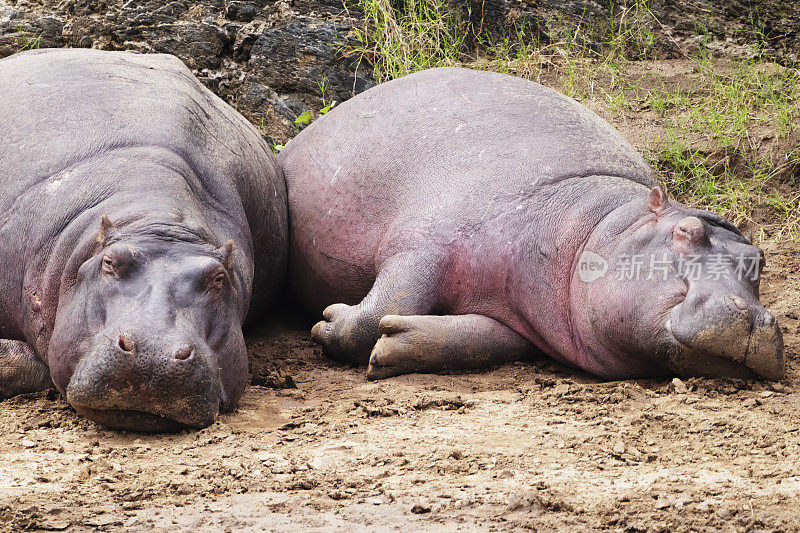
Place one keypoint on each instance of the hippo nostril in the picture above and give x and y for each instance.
(126, 343)
(738, 302)
(184, 352)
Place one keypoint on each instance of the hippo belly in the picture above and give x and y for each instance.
(140, 216)
(441, 219)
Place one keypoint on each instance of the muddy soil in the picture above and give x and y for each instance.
(529, 446)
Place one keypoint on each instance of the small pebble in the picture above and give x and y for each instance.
(679, 386)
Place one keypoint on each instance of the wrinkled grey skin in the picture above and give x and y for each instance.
(445, 216)
(134, 206)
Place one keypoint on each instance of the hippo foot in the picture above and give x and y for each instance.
(401, 349)
(430, 343)
(20, 370)
(343, 335)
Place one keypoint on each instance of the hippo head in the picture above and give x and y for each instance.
(682, 287)
(149, 337)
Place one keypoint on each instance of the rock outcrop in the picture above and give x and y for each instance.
(271, 58)
(267, 58)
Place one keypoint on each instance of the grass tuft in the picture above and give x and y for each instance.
(419, 34)
(29, 41)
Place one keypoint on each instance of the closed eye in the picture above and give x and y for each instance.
(218, 281)
(117, 261)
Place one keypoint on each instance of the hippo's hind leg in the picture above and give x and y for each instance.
(20, 370)
(443, 343)
(405, 285)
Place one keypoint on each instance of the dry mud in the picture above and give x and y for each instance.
(528, 446)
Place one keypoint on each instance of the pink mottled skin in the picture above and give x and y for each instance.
(444, 214)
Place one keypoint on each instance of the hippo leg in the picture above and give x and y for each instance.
(20, 370)
(404, 286)
(443, 343)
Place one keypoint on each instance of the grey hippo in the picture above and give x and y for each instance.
(455, 219)
(139, 217)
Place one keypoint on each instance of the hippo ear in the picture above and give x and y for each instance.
(656, 200)
(689, 233)
(227, 254)
(106, 228)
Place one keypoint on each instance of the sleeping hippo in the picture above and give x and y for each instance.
(457, 219)
(134, 206)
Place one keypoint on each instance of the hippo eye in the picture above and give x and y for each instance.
(109, 265)
(117, 261)
(217, 281)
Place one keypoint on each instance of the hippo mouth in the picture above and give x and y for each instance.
(690, 362)
(137, 421)
(194, 412)
(135, 394)
(754, 363)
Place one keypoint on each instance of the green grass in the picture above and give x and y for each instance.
(734, 189)
(29, 41)
(587, 56)
(422, 34)
(709, 150)
(731, 101)
(748, 93)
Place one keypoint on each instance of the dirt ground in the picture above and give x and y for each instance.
(528, 446)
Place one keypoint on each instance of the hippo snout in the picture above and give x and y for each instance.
(765, 352)
(728, 335)
(182, 351)
(147, 382)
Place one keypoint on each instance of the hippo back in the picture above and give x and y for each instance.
(517, 131)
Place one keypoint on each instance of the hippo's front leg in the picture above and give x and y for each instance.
(443, 343)
(405, 285)
(20, 370)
